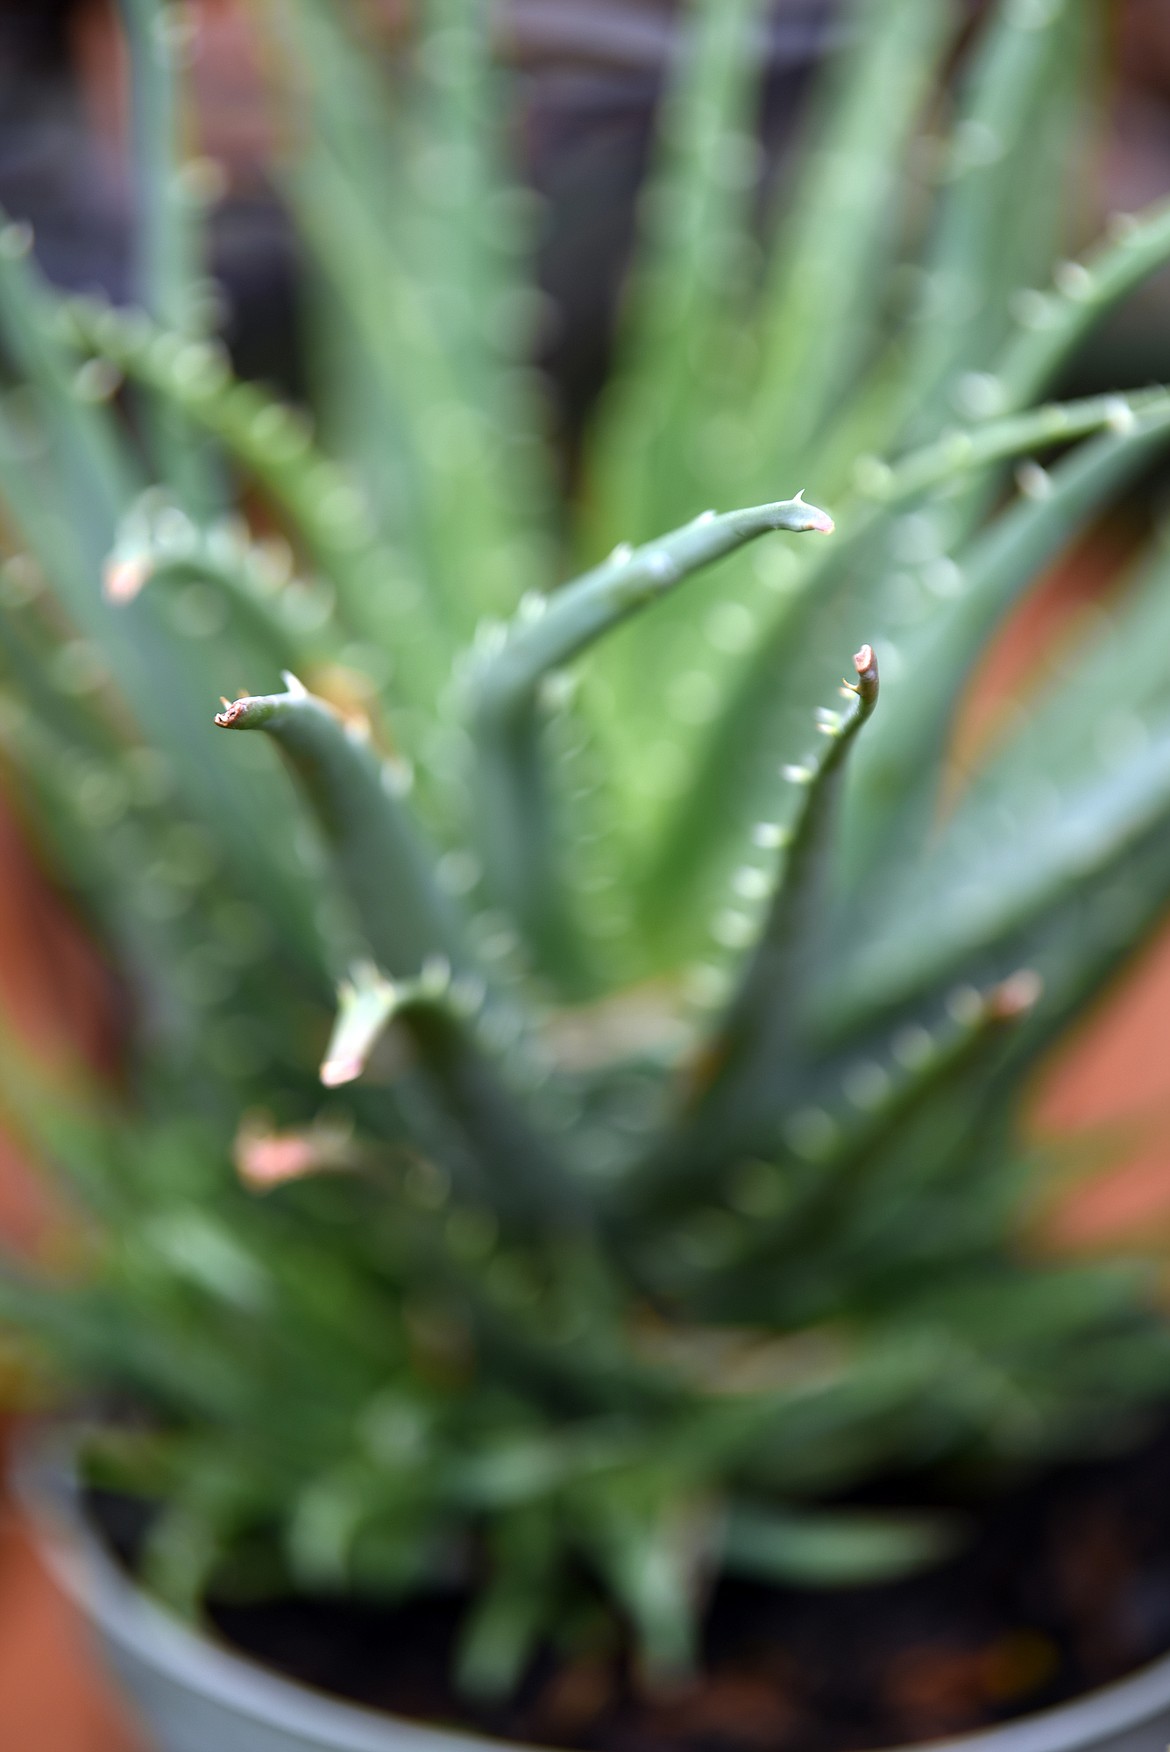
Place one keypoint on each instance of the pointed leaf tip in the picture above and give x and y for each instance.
(366, 1002)
(866, 685)
(336, 1071)
(815, 521)
(265, 1158)
(124, 576)
(232, 712)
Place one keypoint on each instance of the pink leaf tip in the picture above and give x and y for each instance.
(866, 685)
(124, 575)
(1015, 996)
(816, 521)
(336, 1071)
(265, 1158)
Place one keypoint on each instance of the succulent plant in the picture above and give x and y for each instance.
(668, 1184)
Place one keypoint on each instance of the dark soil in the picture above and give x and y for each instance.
(1064, 1586)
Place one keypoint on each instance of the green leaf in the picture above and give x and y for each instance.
(882, 1122)
(168, 242)
(654, 451)
(273, 443)
(1050, 326)
(759, 1045)
(508, 1619)
(452, 417)
(283, 615)
(833, 1548)
(91, 452)
(651, 1554)
(903, 761)
(990, 877)
(794, 665)
(358, 800)
(511, 792)
(837, 240)
(1019, 69)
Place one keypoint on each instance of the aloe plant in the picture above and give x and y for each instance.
(668, 1183)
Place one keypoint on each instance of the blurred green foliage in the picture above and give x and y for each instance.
(683, 1191)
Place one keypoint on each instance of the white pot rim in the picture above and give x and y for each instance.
(128, 1619)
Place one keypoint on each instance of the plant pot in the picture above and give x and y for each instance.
(195, 1696)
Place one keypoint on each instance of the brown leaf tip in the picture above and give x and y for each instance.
(232, 712)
